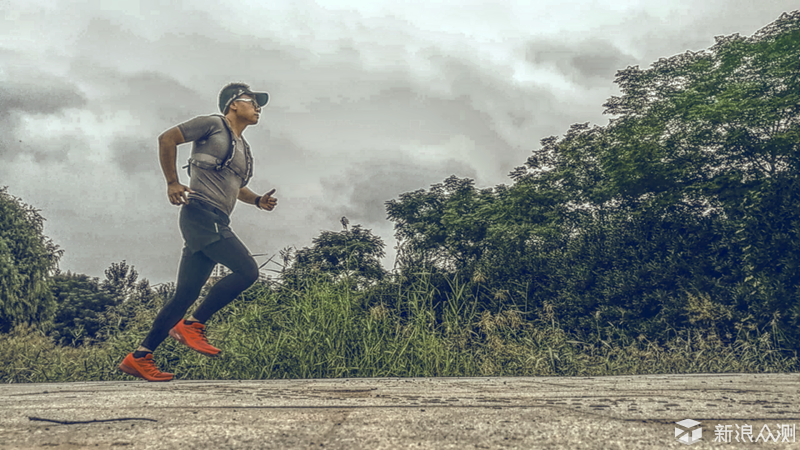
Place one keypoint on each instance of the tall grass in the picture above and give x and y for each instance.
(325, 330)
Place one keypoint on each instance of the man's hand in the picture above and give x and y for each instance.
(177, 193)
(267, 201)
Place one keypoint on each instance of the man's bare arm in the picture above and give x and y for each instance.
(267, 201)
(168, 143)
(247, 196)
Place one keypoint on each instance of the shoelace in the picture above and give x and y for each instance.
(200, 333)
(150, 367)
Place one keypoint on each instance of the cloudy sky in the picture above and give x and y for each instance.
(369, 99)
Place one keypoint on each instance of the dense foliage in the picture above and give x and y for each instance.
(321, 330)
(353, 254)
(85, 306)
(81, 303)
(27, 258)
(681, 212)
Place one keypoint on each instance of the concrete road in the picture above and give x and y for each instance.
(627, 412)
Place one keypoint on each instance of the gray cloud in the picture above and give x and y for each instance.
(649, 34)
(362, 191)
(587, 62)
(39, 94)
(54, 150)
(31, 92)
(156, 99)
(329, 114)
(365, 105)
(322, 101)
(135, 154)
(363, 110)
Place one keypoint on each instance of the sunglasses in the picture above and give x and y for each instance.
(255, 105)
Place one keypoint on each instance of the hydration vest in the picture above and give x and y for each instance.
(207, 158)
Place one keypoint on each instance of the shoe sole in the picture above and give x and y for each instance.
(174, 335)
(135, 373)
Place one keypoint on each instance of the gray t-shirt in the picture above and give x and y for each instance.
(220, 188)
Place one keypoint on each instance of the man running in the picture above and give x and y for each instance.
(220, 168)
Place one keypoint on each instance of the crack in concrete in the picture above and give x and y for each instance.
(76, 422)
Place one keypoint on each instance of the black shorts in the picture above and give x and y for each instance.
(202, 224)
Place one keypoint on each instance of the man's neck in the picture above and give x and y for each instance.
(236, 126)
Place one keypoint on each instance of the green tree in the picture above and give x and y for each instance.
(81, 304)
(133, 305)
(498, 241)
(709, 127)
(705, 143)
(27, 258)
(87, 306)
(444, 227)
(351, 253)
(720, 130)
(690, 191)
(120, 281)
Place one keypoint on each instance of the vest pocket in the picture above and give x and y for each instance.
(205, 161)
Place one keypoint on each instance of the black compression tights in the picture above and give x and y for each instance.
(193, 272)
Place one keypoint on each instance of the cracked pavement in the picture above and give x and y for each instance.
(620, 412)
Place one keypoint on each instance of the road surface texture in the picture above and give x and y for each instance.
(624, 412)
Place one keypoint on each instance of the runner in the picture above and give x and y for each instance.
(220, 168)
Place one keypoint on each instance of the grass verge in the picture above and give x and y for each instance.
(324, 331)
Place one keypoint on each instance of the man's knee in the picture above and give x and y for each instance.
(187, 290)
(250, 272)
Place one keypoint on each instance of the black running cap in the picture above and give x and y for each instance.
(228, 95)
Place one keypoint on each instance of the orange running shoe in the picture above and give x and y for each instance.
(143, 368)
(194, 337)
